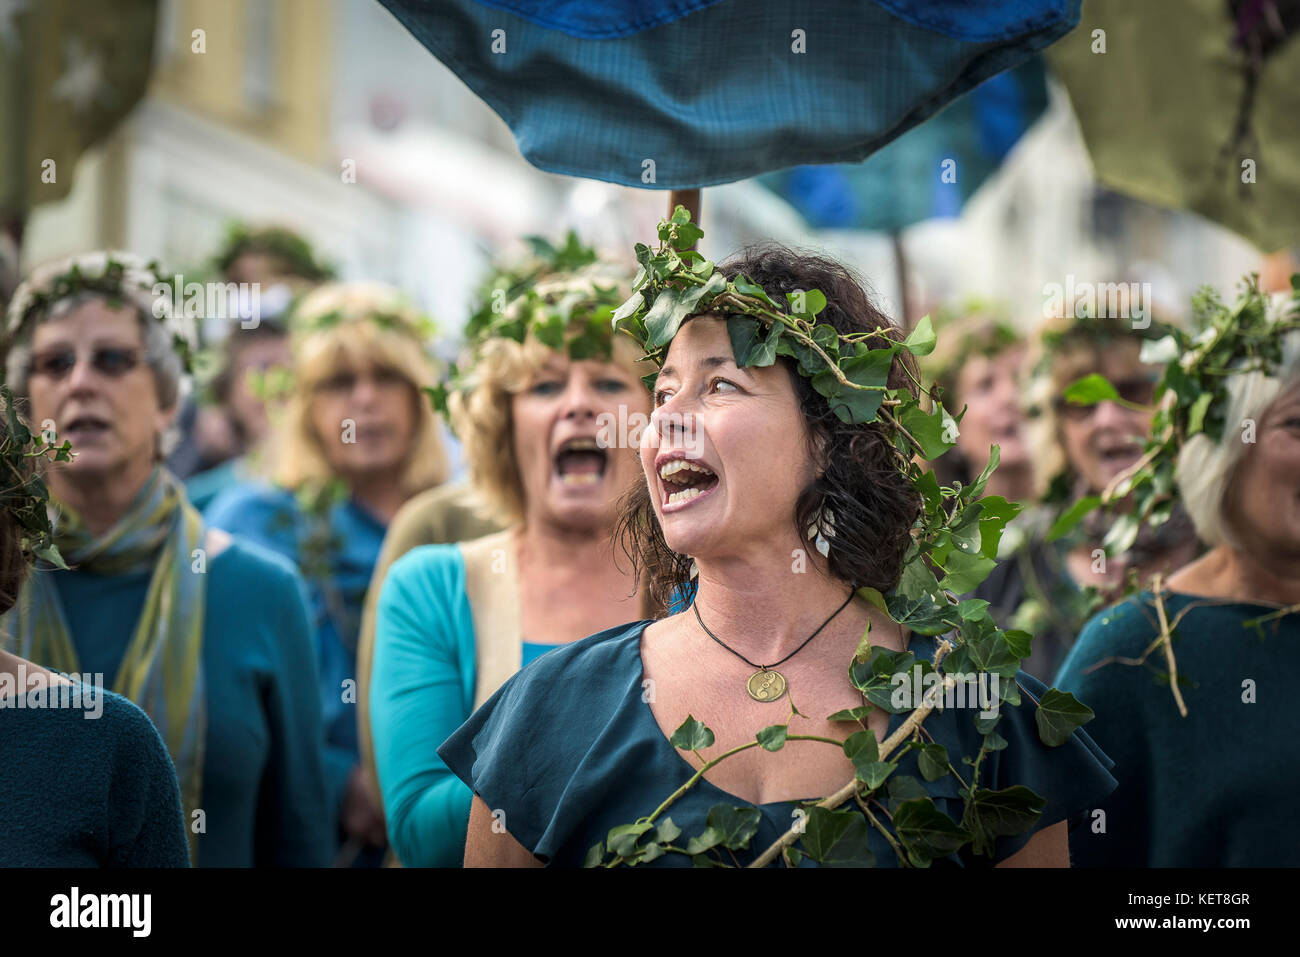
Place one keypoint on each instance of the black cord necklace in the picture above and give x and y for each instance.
(766, 684)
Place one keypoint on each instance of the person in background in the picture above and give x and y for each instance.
(357, 440)
(229, 428)
(1080, 451)
(208, 635)
(455, 621)
(89, 784)
(1210, 783)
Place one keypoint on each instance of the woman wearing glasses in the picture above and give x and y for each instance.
(357, 440)
(1082, 450)
(207, 635)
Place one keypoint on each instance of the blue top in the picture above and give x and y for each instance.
(263, 778)
(349, 548)
(84, 790)
(1213, 789)
(422, 689)
(534, 650)
(569, 749)
(202, 487)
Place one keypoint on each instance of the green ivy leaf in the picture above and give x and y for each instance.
(861, 748)
(735, 826)
(691, 736)
(858, 714)
(837, 838)
(1005, 813)
(927, 832)
(1073, 516)
(595, 855)
(874, 773)
(904, 787)
(1058, 714)
(933, 761)
(773, 738)
(1196, 415)
(922, 340)
(667, 831)
(964, 572)
(1090, 390)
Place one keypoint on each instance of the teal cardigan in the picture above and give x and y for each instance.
(421, 690)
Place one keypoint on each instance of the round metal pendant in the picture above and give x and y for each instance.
(766, 685)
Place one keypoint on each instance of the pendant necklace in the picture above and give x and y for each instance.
(767, 684)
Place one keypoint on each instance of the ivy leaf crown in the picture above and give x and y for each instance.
(120, 278)
(1191, 397)
(563, 296)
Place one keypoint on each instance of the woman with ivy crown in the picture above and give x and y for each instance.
(545, 413)
(1206, 755)
(77, 792)
(356, 440)
(781, 475)
(208, 635)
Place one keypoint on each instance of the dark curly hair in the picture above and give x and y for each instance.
(862, 483)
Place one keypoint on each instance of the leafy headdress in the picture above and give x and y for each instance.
(953, 548)
(560, 296)
(24, 497)
(119, 277)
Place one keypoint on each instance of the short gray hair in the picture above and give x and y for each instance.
(1206, 468)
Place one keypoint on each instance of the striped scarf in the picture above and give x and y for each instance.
(162, 669)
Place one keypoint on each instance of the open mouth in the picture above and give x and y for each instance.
(85, 427)
(685, 480)
(580, 462)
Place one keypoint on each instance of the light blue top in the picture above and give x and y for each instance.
(421, 690)
(346, 552)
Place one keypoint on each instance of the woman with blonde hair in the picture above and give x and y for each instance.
(546, 416)
(357, 439)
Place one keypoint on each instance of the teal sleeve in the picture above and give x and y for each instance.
(1116, 692)
(418, 697)
(146, 823)
(296, 821)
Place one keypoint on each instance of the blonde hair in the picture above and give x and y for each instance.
(481, 417)
(341, 324)
(1206, 468)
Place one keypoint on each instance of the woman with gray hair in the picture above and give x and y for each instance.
(1199, 749)
(209, 636)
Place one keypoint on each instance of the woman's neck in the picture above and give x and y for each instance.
(580, 550)
(99, 500)
(381, 496)
(765, 608)
(1225, 572)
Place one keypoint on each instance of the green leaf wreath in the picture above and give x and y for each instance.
(954, 547)
(1191, 398)
(23, 495)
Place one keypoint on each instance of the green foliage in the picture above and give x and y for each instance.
(23, 494)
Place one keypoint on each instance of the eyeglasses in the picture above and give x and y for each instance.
(1138, 391)
(112, 361)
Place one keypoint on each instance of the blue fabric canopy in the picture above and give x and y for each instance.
(928, 172)
(678, 94)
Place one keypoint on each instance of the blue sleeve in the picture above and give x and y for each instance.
(417, 699)
(146, 823)
(1116, 692)
(296, 820)
(258, 513)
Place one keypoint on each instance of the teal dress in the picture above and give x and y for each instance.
(263, 797)
(421, 690)
(1213, 789)
(84, 790)
(568, 749)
